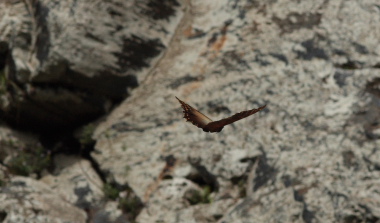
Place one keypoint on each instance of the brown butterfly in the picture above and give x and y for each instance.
(202, 121)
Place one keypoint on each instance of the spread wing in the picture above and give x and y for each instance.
(218, 125)
(194, 116)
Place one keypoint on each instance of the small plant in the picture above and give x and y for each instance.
(130, 204)
(197, 197)
(110, 191)
(206, 195)
(242, 188)
(127, 169)
(124, 148)
(85, 135)
(31, 160)
(3, 82)
(28, 161)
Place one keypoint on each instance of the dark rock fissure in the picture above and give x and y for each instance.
(35, 111)
(161, 9)
(265, 173)
(312, 50)
(43, 35)
(4, 51)
(203, 177)
(136, 53)
(307, 215)
(295, 21)
(3, 215)
(64, 142)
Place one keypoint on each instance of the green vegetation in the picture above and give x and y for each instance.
(28, 161)
(203, 196)
(3, 82)
(110, 191)
(131, 204)
(242, 187)
(127, 169)
(85, 135)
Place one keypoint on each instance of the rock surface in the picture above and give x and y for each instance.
(76, 181)
(306, 158)
(67, 61)
(27, 200)
(311, 156)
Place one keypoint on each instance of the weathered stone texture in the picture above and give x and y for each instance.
(311, 156)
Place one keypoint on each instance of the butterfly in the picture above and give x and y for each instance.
(202, 121)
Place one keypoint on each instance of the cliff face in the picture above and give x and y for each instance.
(65, 62)
(311, 156)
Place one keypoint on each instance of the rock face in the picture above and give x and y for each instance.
(76, 181)
(27, 200)
(65, 62)
(306, 158)
(311, 156)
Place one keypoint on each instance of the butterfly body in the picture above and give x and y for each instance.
(211, 128)
(202, 121)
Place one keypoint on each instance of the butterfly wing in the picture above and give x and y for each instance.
(217, 126)
(194, 116)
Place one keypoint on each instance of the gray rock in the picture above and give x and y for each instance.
(28, 200)
(310, 62)
(109, 213)
(21, 153)
(66, 62)
(173, 192)
(13, 141)
(311, 156)
(76, 181)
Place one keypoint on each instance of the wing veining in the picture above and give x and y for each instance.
(194, 116)
(236, 117)
(202, 121)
